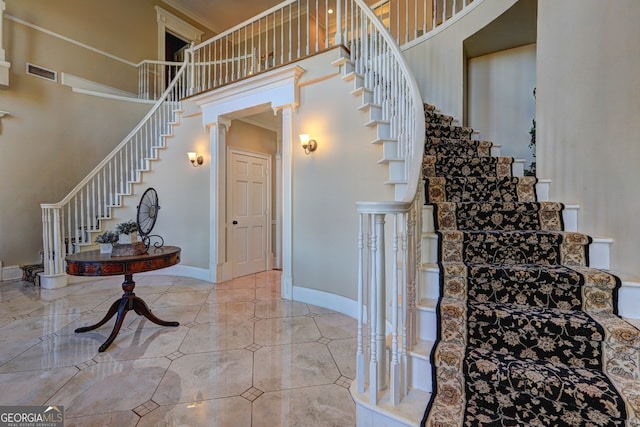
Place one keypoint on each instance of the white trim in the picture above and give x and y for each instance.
(168, 21)
(206, 23)
(286, 197)
(87, 86)
(219, 268)
(11, 272)
(116, 97)
(278, 89)
(326, 300)
(70, 40)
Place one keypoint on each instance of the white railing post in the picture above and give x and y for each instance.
(53, 248)
(380, 299)
(192, 70)
(360, 356)
(339, 39)
(394, 367)
(373, 307)
(373, 318)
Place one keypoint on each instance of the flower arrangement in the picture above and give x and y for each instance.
(107, 237)
(128, 227)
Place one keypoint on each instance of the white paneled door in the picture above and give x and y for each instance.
(249, 211)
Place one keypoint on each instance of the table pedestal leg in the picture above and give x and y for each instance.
(129, 301)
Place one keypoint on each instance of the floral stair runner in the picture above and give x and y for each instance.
(528, 333)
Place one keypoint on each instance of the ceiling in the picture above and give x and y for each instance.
(220, 15)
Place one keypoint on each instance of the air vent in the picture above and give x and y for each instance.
(43, 73)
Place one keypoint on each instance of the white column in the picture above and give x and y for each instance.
(218, 264)
(287, 203)
(278, 207)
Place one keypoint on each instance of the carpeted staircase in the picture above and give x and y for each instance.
(528, 333)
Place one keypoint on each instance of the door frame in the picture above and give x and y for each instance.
(228, 206)
(168, 22)
(278, 90)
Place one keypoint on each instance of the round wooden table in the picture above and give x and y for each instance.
(94, 263)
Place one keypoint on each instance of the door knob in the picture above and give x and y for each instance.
(234, 222)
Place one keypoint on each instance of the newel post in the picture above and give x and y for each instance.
(53, 248)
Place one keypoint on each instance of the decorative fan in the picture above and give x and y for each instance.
(146, 217)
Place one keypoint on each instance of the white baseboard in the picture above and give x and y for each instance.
(11, 272)
(326, 300)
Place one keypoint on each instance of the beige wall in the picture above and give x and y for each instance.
(501, 105)
(183, 193)
(588, 110)
(54, 137)
(328, 183)
(439, 63)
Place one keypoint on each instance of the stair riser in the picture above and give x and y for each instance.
(569, 217)
(375, 111)
(397, 171)
(421, 375)
(427, 323)
(599, 251)
(542, 190)
(389, 149)
(430, 282)
(628, 298)
(517, 168)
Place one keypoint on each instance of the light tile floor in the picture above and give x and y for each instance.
(242, 356)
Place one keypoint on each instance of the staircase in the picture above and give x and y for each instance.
(509, 292)
(526, 329)
(71, 224)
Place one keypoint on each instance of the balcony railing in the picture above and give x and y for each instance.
(409, 20)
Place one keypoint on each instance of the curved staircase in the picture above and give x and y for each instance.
(528, 331)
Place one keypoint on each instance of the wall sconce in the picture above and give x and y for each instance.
(195, 159)
(308, 145)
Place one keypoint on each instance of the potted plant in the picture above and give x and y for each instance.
(106, 241)
(127, 232)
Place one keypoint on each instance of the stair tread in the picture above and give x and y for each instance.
(422, 349)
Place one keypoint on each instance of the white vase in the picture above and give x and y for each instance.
(124, 239)
(105, 248)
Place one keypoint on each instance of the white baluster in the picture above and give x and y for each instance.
(339, 29)
(394, 368)
(373, 312)
(360, 357)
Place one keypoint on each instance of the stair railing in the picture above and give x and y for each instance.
(387, 311)
(409, 20)
(155, 76)
(289, 31)
(69, 223)
(387, 315)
